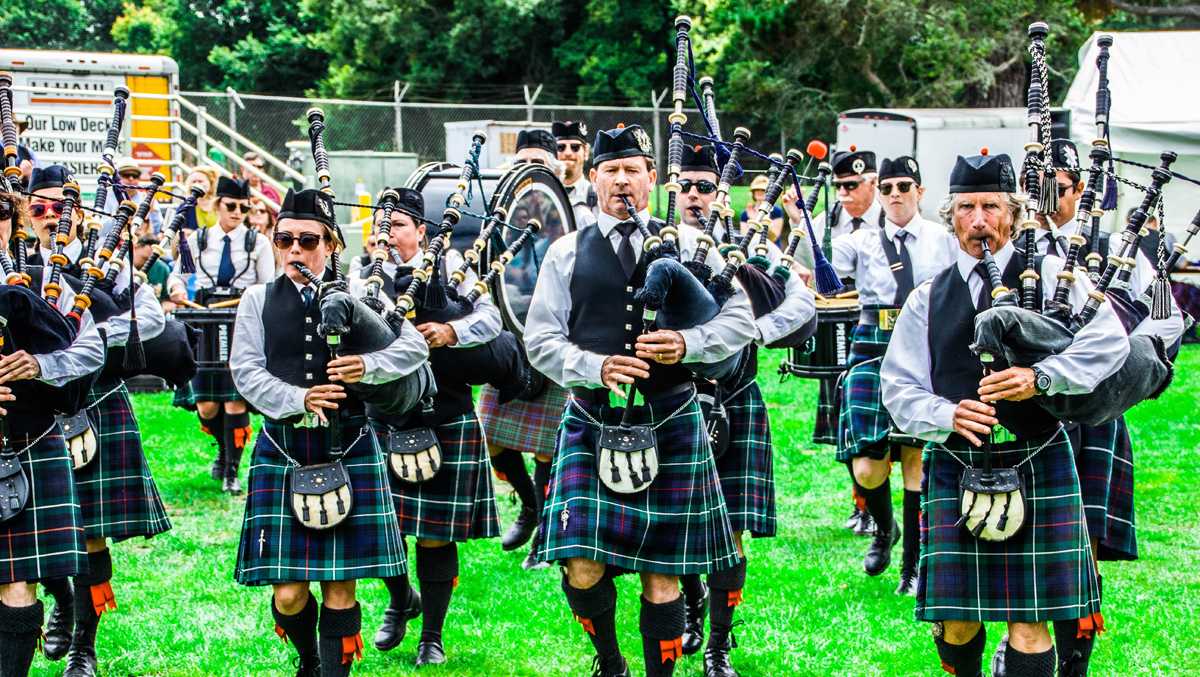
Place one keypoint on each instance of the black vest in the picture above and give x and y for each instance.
(955, 371)
(295, 352)
(604, 317)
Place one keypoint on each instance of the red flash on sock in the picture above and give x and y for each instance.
(1090, 626)
(671, 649)
(241, 436)
(500, 476)
(734, 598)
(352, 648)
(949, 669)
(102, 598)
(587, 625)
(282, 635)
(454, 583)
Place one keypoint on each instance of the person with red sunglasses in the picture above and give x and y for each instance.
(230, 257)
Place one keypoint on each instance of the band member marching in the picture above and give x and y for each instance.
(457, 503)
(584, 331)
(572, 143)
(290, 537)
(886, 264)
(937, 389)
(746, 468)
(118, 497)
(230, 257)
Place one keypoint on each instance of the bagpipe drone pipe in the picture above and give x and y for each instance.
(1013, 333)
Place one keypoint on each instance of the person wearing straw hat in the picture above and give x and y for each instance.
(758, 191)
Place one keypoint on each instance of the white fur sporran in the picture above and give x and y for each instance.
(991, 503)
(81, 439)
(414, 455)
(321, 495)
(628, 458)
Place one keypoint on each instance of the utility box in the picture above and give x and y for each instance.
(501, 143)
(375, 170)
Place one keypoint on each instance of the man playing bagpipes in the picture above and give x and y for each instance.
(46, 363)
(117, 494)
(664, 516)
(318, 506)
(886, 264)
(1003, 537)
(746, 466)
(230, 257)
(451, 501)
(570, 137)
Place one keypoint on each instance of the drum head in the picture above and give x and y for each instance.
(527, 191)
(437, 180)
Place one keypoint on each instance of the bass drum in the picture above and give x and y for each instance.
(526, 192)
(437, 180)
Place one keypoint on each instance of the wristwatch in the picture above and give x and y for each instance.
(1041, 381)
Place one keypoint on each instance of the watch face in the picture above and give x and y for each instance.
(1042, 382)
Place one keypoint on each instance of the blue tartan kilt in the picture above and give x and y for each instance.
(825, 426)
(863, 422)
(747, 468)
(117, 493)
(214, 385)
(458, 503)
(276, 548)
(46, 539)
(1043, 572)
(1119, 541)
(679, 525)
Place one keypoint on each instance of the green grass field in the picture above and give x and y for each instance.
(809, 608)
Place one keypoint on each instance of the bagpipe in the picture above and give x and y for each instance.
(1018, 331)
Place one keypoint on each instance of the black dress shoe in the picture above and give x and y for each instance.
(614, 666)
(430, 653)
(908, 583)
(531, 562)
(866, 524)
(521, 530)
(395, 622)
(879, 555)
(307, 665)
(62, 620)
(716, 661)
(693, 625)
(998, 664)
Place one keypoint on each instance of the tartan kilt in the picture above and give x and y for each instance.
(825, 426)
(679, 525)
(117, 493)
(529, 426)
(1093, 447)
(276, 548)
(184, 397)
(458, 503)
(746, 470)
(46, 540)
(1119, 541)
(1044, 572)
(863, 422)
(214, 385)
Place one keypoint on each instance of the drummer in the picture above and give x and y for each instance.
(573, 151)
(230, 257)
(886, 264)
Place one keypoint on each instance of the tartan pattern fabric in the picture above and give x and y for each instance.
(214, 385)
(46, 540)
(529, 426)
(825, 426)
(458, 503)
(863, 422)
(1043, 572)
(117, 493)
(746, 469)
(1093, 447)
(1120, 535)
(678, 525)
(276, 548)
(184, 397)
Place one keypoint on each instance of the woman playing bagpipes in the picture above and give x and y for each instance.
(1018, 552)
(449, 501)
(317, 507)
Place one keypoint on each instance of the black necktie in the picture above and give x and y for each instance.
(855, 224)
(905, 286)
(984, 300)
(625, 252)
(225, 270)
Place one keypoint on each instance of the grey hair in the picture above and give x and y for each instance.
(1015, 201)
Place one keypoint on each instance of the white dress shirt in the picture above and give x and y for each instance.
(797, 308)
(150, 318)
(568, 365)
(208, 262)
(860, 255)
(578, 194)
(479, 326)
(844, 223)
(84, 356)
(905, 374)
(278, 399)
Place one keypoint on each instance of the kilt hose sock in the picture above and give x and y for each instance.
(912, 530)
(93, 596)
(215, 427)
(692, 588)
(237, 432)
(340, 639)
(879, 504)
(961, 660)
(437, 572)
(300, 629)
(725, 595)
(541, 482)
(509, 466)
(596, 610)
(20, 629)
(1074, 642)
(662, 631)
(856, 490)
(1029, 664)
(399, 588)
(62, 618)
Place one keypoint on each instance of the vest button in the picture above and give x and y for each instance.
(629, 290)
(628, 347)
(628, 327)
(308, 337)
(628, 307)
(308, 376)
(308, 356)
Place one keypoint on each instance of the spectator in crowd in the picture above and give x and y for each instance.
(255, 179)
(758, 192)
(261, 217)
(129, 174)
(205, 213)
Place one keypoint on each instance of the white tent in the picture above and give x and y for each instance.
(1155, 85)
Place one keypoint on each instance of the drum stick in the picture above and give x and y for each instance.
(190, 304)
(231, 303)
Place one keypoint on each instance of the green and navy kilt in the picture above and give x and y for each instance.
(184, 398)
(117, 493)
(746, 469)
(46, 540)
(276, 548)
(825, 427)
(1044, 572)
(529, 426)
(678, 525)
(214, 385)
(863, 422)
(1119, 541)
(458, 503)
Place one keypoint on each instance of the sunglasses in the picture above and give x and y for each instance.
(130, 176)
(847, 186)
(704, 187)
(39, 209)
(308, 241)
(902, 187)
(573, 147)
(233, 207)
(1063, 189)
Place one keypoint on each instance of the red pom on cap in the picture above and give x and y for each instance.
(983, 151)
(697, 147)
(853, 148)
(817, 149)
(620, 125)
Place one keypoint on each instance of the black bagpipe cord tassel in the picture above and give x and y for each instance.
(135, 354)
